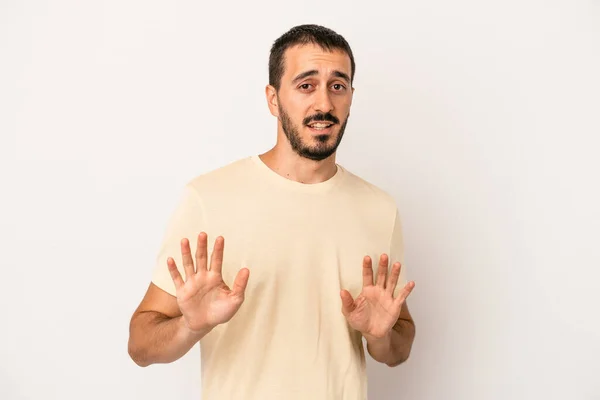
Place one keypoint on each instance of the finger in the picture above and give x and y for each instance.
(367, 272)
(201, 252)
(393, 279)
(382, 271)
(347, 302)
(186, 256)
(408, 288)
(175, 275)
(241, 281)
(216, 260)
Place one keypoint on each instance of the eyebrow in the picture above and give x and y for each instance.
(312, 72)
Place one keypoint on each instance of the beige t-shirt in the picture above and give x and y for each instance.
(302, 243)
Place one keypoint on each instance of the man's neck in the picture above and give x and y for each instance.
(292, 166)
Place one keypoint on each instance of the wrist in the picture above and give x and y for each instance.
(386, 338)
(380, 347)
(192, 334)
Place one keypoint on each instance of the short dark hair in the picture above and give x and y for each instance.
(327, 39)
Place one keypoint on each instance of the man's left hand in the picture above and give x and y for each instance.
(375, 311)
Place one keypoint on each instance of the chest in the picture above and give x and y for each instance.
(300, 250)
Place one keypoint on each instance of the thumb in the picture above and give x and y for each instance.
(347, 302)
(241, 280)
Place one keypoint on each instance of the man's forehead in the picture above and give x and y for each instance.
(301, 58)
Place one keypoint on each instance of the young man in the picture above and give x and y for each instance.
(313, 258)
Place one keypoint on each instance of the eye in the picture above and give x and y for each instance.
(338, 86)
(304, 86)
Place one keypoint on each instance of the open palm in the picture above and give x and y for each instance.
(204, 298)
(375, 310)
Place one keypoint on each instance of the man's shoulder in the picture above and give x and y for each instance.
(229, 174)
(367, 190)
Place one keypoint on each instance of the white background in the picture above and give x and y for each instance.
(481, 118)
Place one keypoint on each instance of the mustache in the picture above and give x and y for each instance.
(321, 117)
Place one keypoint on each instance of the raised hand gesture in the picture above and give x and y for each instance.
(375, 310)
(204, 299)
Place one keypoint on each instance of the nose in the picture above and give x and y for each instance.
(323, 102)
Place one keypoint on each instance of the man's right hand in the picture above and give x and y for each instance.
(204, 299)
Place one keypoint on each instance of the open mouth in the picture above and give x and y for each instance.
(321, 127)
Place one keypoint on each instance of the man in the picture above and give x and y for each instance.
(313, 259)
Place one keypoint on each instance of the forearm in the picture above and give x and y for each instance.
(393, 349)
(157, 338)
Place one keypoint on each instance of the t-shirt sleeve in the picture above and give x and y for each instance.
(397, 251)
(186, 221)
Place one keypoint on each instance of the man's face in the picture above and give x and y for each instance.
(314, 98)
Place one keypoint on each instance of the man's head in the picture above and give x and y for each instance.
(311, 70)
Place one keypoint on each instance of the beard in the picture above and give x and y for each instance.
(323, 147)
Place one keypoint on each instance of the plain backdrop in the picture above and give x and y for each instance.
(480, 118)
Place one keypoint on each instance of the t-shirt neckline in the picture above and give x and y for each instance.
(295, 185)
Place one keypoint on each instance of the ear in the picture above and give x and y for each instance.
(272, 100)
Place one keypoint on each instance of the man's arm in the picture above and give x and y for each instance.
(157, 332)
(395, 348)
